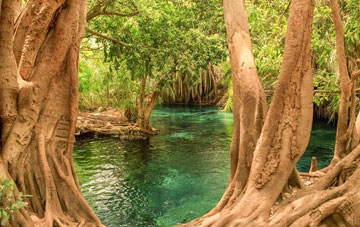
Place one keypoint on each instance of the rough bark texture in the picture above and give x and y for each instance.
(331, 197)
(286, 132)
(39, 109)
(249, 101)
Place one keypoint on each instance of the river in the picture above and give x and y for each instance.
(173, 177)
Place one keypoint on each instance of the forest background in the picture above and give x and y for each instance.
(182, 45)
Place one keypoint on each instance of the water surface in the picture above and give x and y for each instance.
(173, 177)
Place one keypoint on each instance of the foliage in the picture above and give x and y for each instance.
(166, 38)
(179, 37)
(267, 22)
(102, 86)
(7, 205)
(324, 50)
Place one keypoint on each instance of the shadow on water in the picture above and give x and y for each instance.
(173, 177)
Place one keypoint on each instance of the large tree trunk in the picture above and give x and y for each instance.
(258, 177)
(249, 101)
(39, 108)
(333, 199)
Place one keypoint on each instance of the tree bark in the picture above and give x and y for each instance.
(144, 112)
(39, 108)
(346, 84)
(286, 131)
(333, 199)
(146, 104)
(141, 106)
(249, 101)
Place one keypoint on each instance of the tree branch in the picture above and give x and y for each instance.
(107, 37)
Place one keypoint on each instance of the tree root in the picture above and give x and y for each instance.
(51, 219)
(110, 123)
(316, 216)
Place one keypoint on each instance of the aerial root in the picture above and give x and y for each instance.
(332, 175)
(326, 197)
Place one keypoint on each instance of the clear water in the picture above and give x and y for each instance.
(173, 177)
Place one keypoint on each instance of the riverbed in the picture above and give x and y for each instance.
(172, 177)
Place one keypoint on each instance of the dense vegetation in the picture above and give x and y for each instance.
(177, 39)
(267, 22)
(160, 41)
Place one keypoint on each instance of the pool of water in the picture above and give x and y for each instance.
(173, 177)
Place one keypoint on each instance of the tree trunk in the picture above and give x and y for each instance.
(261, 169)
(39, 109)
(249, 101)
(342, 133)
(333, 199)
(146, 110)
(147, 103)
(142, 122)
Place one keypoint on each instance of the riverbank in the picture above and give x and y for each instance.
(112, 122)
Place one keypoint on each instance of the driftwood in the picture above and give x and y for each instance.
(111, 122)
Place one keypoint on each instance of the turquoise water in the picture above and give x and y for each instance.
(321, 146)
(173, 177)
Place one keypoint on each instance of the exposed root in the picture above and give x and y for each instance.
(51, 220)
(314, 217)
(287, 214)
(110, 123)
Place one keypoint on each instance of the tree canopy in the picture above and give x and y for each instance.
(169, 38)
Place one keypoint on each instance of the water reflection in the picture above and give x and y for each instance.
(172, 177)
